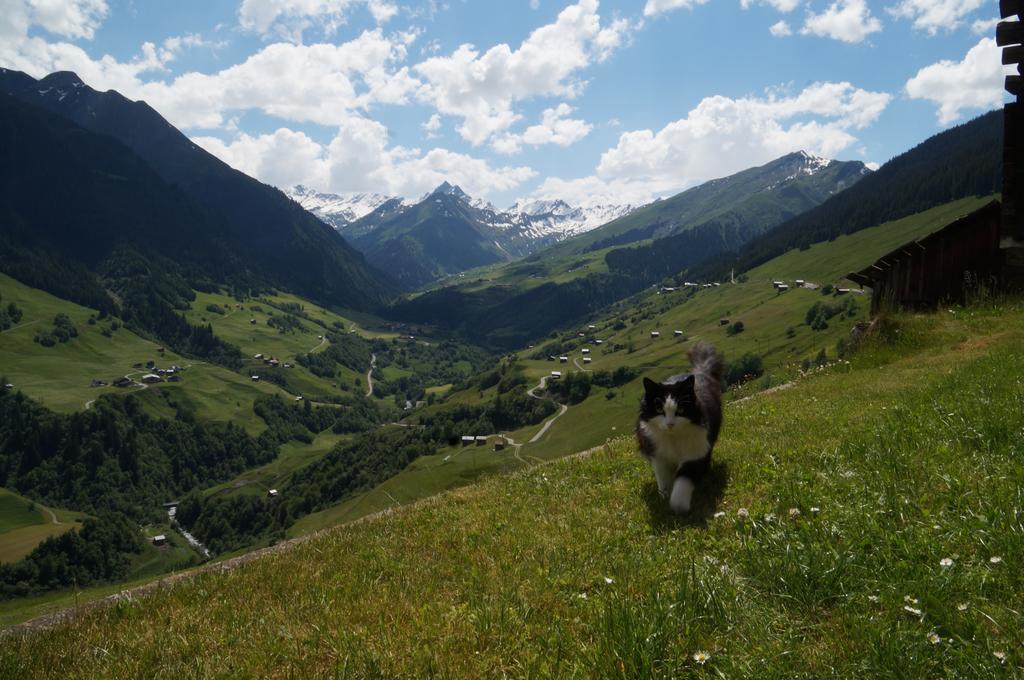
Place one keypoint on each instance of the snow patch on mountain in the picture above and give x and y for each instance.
(337, 210)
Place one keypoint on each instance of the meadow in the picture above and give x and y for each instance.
(863, 523)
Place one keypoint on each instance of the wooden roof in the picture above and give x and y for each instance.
(874, 271)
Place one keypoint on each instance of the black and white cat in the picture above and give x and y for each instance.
(679, 423)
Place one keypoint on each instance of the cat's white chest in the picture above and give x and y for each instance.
(679, 444)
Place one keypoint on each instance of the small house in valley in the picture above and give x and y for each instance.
(481, 440)
(160, 539)
(677, 334)
(655, 334)
(499, 444)
(467, 439)
(272, 493)
(151, 378)
(563, 359)
(586, 360)
(555, 375)
(124, 381)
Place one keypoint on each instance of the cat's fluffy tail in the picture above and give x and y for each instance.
(706, 360)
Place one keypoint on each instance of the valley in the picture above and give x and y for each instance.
(370, 424)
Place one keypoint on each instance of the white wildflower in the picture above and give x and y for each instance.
(701, 657)
(769, 516)
(794, 513)
(962, 606)
(945, 562)
(609, 580)
(909, 600)
(873, 598)
(912, 611)
(815, 509)
(743, 513)
(1000, 655)
(720, 513)
(995, 559)
(934, 638)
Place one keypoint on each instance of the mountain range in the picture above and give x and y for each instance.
(447, 231)
(279, 243)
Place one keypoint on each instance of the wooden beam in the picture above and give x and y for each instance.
(1009, 8)
(1009, 33)
(1014, 85)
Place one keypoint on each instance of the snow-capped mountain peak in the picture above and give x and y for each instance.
(811, 164)
(335, 209)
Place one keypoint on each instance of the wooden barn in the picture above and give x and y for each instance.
(942, 266)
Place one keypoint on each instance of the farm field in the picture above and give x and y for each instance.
(828, 541)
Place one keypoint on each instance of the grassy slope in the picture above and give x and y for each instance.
(60, 376)
(259, 338)
(908, 456)
(765, 314)
(24, 524)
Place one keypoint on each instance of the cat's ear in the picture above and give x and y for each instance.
(651, 387)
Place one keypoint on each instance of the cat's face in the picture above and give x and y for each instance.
(667, 405)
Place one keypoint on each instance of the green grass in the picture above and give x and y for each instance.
(25, 524)
(829, 505)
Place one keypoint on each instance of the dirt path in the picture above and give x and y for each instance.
(323, 341)
(777, 388)
(562, 409)
(27, 323)
(548, 424)
(369, 375)
(53, 517)
(577, 362)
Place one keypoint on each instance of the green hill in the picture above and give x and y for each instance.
(859, 524)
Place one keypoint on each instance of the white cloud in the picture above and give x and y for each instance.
(481, 88)
(320, 83)
(783, 6)
(432, 125)
(846, 20)
(976, 82)
(534, 4)
(872, 166)
(69, 18)
(932, 15)
(289, 19)
(358, 158)
(555, 128)
(722, 136)
(658, 6)
(985, 26)
(283, 158)
(780, 29)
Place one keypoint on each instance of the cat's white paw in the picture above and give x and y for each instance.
(682, 494)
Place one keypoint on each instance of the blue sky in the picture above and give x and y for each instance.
(616, 101)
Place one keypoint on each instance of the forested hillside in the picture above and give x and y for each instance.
(280, 243)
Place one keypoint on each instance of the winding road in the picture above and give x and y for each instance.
(562, 409)
(369, 375)
(577, 362)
